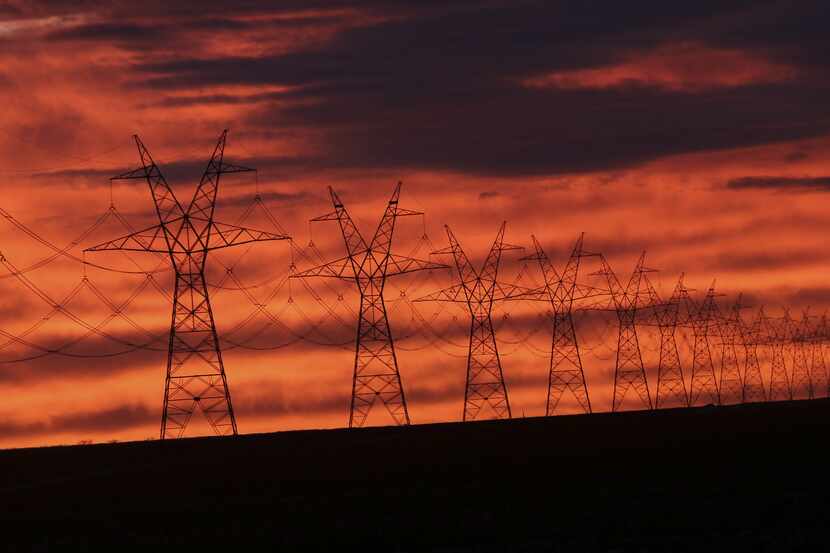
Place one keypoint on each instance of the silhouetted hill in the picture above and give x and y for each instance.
(742, 478)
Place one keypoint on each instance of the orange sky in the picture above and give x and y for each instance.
(698, 136)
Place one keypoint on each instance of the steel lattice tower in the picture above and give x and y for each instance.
(753, 387)
(703, 379)
(801, 381)
(779, 381)
(566, 373)
(671, 387)
(818, 366)
(479, 290)
(731, 385)
(195, 371)
(376, 375)
(629, 371)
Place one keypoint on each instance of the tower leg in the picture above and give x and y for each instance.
(704, 384)
(671, 389)
(779, 382)
(566, 372)
(629, 372)
(753, 390)
(485, 380)
(376, 375)
(731, 386)
(195, 370)
(802, 382)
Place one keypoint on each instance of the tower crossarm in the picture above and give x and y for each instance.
(339, 268)
(455, 293)
(401, 264)
(153, 239)
(223, 235)
(506, 291)
(501, 292)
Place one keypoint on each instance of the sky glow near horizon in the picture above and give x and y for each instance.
(698, 133)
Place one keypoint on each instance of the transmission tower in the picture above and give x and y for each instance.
(753, 383)
(629, 371)
(566, 373)
(671, 388)
(731, 386)
(479, 290)
(195, 371)
(704, 383)
(818, 366)
(779, 382)
(376, 375)
(801, 382)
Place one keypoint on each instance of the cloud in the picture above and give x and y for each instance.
(433, 94)
(8, 10)
(112, 419)
(686, 67)
(765, 260)
(781, 183)
(112, 32)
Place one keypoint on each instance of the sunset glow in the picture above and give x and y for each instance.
(697, 137)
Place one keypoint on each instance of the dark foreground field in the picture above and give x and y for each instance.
(745, 478)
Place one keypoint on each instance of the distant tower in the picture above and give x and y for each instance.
(479, 290)
(629, 372)
(671, 388)
(779, 381)
(195, 371)
(818, 366)
(731, 386)
(566, 374)
(704, 384)
(753, 384)
(801, 382)
(376, 376)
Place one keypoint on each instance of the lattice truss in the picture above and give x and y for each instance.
(688, 350)
(485, 387)
(565, 293)
(629, 370)
(195, 375)
(376, 376)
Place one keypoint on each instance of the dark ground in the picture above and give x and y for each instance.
(743, 478)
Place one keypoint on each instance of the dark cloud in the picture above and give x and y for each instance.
(764, 260)
(275, 198)
(442, 91)
(86, 360)
(794, 298)
(780, 183)
(7, 10)
(183, 174)
(277, 402)
(111, 32)
(104, 420)
(210, 99)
